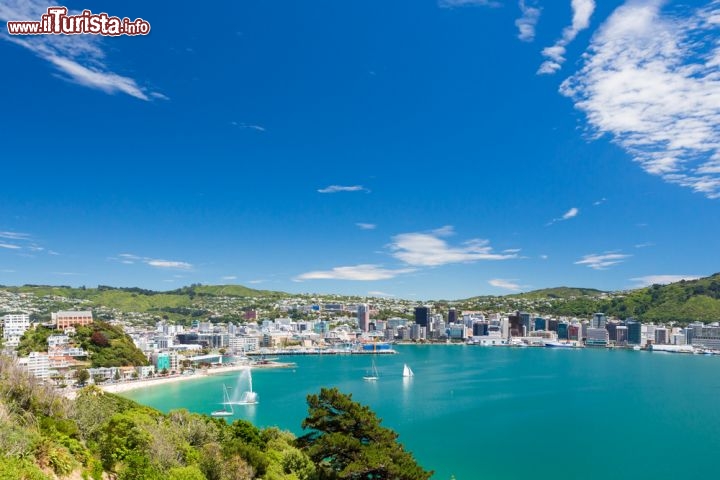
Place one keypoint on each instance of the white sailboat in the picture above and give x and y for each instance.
(226, 401)
(373, 373)
(407, 371)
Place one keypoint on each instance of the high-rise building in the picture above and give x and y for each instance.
(422, 316)
(480, 329)
(452, 316)
(540, 324)
(516, 327)
(611, 327)
(525, 323)
(562, 331)
(363, 317)
(552, 325)
(634, 333)
(621, 335)
(599, 320)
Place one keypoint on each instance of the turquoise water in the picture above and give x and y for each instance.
(506, 413)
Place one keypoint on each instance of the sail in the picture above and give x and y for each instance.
(407, 372)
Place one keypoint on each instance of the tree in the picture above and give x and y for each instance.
(348, 442)
(83, 376)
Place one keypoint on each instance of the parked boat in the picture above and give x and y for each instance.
(373, 373)
(226, 402)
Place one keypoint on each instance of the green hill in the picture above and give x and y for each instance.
(560, 292)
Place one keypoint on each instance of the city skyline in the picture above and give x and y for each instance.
(419, 150)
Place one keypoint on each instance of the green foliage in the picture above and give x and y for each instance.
(34, 340)
(101, 435)
(108, 345)
(346, 441)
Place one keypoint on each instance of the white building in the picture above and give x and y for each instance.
(37, 364)
(244, 344)
(14, 326)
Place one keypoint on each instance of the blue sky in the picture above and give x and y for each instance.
(420, 149)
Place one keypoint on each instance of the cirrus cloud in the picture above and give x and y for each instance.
(343, 188)
(505, 284)
(602, 261)
(364, 272)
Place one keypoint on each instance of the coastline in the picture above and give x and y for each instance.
(152, 382)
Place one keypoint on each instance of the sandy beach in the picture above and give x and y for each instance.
(151, 382)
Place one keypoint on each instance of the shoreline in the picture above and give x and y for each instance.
(151, 382)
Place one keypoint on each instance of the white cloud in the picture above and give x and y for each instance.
(506, 284)
(10, 246)
(377, 293)
(343, 188)
(255, 282)
(168, 264)
(648, 280)
(229, 277)
(428, 250)
(582, 11)
(602, 261)
(651, 81)
(512, 250)
(468, 3)
(544, 257)
(79, 58)
(644, 245)
(364, 272)
(526, 24)
(572, 213)
(600, 202)
(258, 128)
(366, 226)
(15, 236)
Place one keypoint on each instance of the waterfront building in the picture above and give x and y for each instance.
(516, 327)
(621, 335)
(612, 330)
(661, 336)
(634, 332)
(708, 337)
(480, 329)
(452, 316)
(599, 320)
(597, 337)
(14, 326)
(363, 317)
(396, 322)
(242, 344)
(574, 331)
(526, 323)
(65, 319)
(422, 316)
(552, 325)
(418, 332)
(562, 331)
(540, 324)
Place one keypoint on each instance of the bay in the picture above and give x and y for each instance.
(504, 413)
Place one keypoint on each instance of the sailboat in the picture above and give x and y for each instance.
(226, 401)
(407, 371)
(372, 374)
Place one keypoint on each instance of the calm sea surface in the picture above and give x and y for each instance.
(505, 413)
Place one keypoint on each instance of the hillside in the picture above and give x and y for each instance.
(107, 345)
(682, 302)
(560, 292)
